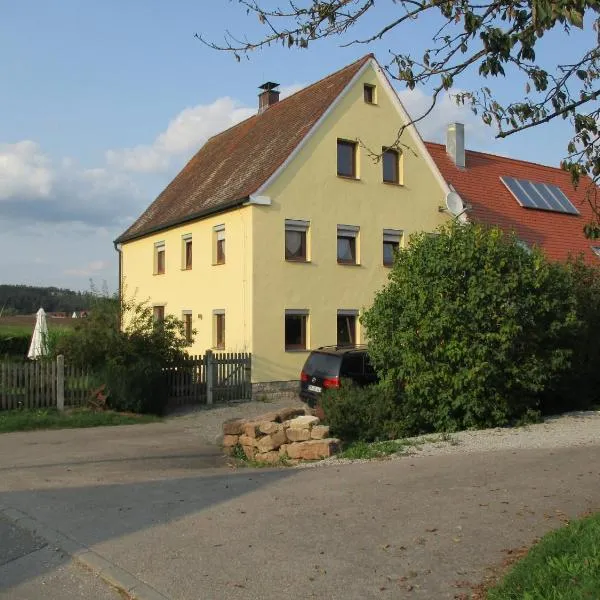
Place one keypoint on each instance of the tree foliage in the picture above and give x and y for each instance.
(472, 329)
(494, 38)
(26, 300)
(128, 350)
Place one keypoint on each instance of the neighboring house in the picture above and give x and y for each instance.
(537, 202)
(280, 230)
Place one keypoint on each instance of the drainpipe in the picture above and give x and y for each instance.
(119, 289)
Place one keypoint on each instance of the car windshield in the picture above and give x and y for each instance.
(322, 364)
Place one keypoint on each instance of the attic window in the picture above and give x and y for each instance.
(369, 94)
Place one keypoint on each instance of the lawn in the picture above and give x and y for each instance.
(27, 420)
(564, 565)
(23, 325)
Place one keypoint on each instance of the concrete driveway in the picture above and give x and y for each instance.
(156, 507)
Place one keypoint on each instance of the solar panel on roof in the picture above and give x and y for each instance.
(542, 196)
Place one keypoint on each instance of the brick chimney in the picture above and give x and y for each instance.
(268, 96)
(455, 143)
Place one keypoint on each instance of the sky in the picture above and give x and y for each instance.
(102, 103)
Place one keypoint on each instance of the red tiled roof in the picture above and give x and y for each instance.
(479, 185)
(235, 163)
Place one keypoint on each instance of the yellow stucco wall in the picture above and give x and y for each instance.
(309, 189)
(204, 288)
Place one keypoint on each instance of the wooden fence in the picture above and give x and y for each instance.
(210, 378)
(43, 383)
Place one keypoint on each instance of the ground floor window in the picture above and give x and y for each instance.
(295, 329)
(187, 325)
(158, 313)
(219, 329)
(346, 327)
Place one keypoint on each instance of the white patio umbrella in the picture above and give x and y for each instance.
(39, 339)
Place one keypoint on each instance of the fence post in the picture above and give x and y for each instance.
(210, 376)
(60, 382)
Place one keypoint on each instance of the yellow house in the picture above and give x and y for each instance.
(280, 230)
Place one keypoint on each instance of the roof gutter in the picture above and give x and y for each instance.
(176, 222)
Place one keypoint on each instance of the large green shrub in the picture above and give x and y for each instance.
(129, 359)
(363, 413)
(471, 329)
(579, 388)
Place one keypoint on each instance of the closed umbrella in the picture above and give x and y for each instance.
(39, 339)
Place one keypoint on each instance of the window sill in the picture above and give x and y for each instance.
(348, 264)
(219, 264)
(297, 260)
(219, 348)
(186, 268)
(393, 183)
(348, 177)
(297, 349)
(156, 274)
(388, 266)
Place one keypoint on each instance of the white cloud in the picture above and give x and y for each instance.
(184, 135)
(24, 171)
(433, 127)
(288, 90)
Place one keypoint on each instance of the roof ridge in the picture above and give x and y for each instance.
(505, 158)
(314, 83)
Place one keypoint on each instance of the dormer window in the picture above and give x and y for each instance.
(369, 94)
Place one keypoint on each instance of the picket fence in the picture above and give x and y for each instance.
(43, 383)
(208, 378)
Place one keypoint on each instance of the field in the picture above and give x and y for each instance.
(24, 324)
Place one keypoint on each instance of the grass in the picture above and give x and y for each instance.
(371, 450)
(49, 418)
(564, 565)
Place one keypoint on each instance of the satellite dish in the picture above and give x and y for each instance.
(454, 204)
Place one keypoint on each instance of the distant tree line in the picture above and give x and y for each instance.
(24, 299)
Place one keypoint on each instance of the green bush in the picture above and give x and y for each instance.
(15, 346)
(579, 388)
(362, 413)
(129, 359)
(471, 329)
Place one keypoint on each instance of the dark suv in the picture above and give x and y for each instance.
(327, 366)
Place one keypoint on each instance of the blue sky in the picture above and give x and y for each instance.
(103, 102)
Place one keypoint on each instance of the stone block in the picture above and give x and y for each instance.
(268, 457)
(289, 413)
(304, 422)
(313, 449)
(269, 427)
(246, 440)
(251, 429)
(297, 435)
(249, 451)
(271, 442)
(319, 432)
(283, 450)
(230, 440)
(233, 426)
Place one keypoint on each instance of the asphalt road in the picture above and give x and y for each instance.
(158, 505)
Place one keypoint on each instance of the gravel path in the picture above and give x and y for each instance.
(569, 430)
(207, 422)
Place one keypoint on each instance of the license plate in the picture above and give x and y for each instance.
(314, 388)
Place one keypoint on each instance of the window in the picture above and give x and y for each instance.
(596, 250)
(159, 258)
(158, 312)
(187, 325)
(391, 243)
(295, 240)
(295, 329)
(219, 329)
(369, 94)
(219, 245)
(346, 158)
(346, 244)
(187, 252)
(391, 166)
(346, 327)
